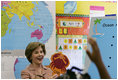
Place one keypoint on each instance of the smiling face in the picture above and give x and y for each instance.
(37, 55)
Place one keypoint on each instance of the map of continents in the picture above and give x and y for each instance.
(23, 22)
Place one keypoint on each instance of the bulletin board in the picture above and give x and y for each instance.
(106, 37)
(71, 37)
(107, 42)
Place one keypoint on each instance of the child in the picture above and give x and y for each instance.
(35, 52)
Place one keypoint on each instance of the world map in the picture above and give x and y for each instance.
(23, 22)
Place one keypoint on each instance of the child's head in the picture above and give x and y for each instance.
(33, 49)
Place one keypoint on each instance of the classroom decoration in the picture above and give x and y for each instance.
(97, 11)
(59, 63)
(83, 7)
(106, 39)
(70, 7)
(71, 38)
(22, 24)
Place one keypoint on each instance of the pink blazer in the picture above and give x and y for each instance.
(31, 73)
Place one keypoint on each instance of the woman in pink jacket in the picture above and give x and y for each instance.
(35, 52)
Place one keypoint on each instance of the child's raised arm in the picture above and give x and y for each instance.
(96, 58)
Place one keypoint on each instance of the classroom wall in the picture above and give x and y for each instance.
(83, 7)
(8, 60)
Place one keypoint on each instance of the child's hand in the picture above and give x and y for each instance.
(95, 54)
(96, 58)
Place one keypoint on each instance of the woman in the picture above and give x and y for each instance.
(35, 52)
